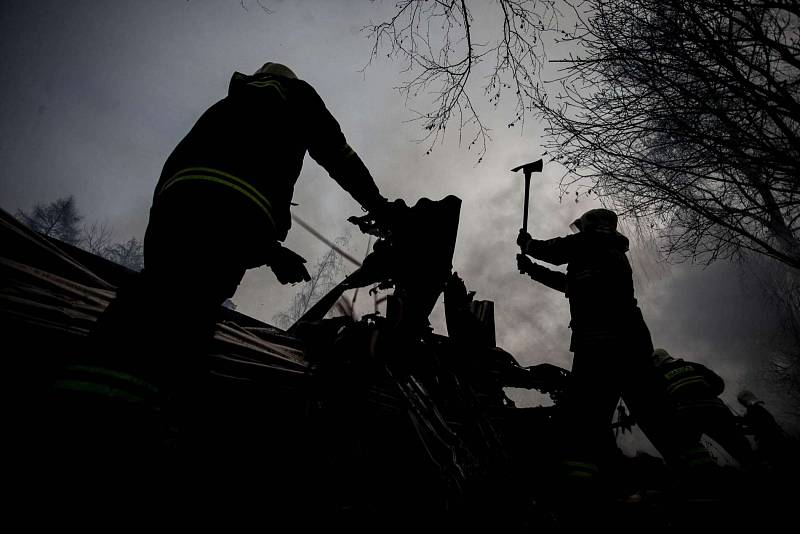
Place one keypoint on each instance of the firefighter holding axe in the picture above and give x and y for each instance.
(610, 340)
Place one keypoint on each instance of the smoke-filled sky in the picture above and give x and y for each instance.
(96, 94)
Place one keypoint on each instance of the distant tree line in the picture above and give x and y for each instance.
(325, 275)
(60, 219)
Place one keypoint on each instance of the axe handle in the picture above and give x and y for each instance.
(527, 195)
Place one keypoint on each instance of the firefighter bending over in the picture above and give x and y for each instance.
(690, 407)
(220, 207)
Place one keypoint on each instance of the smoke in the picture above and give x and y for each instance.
(98, 95)
(720, 316)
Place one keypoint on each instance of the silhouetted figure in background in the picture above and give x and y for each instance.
(690, 407)
(774, 492)
(221, 206)
(610, 340)
(775, 448)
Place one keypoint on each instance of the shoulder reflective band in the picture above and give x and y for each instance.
(346, 151)
(688, 381)
(274, 84)
(672, 373)
(579, 469)
(216, 176)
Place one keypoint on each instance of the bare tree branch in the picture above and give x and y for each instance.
(687, 115)
(259, 3)
(97, 238)
(59, 219)
(324, 276)
(436, 41)
(129, 254)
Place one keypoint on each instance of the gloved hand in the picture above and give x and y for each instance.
(387, 213)
(524, 264)
(523, 239)
(288, 266)
(381, 218)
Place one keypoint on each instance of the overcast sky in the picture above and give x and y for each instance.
(96, 94)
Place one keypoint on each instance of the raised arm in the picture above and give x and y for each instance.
(556, 251)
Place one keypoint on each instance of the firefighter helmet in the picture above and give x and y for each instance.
(276, 69)
(597, 219)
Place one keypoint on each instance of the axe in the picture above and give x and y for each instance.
(527, 169)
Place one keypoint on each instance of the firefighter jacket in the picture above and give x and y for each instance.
(774, 445)
(688, 382)
(250, 146)
(599, 286)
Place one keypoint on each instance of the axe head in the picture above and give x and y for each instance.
(528, 168)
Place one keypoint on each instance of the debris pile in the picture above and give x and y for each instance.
(375, 425)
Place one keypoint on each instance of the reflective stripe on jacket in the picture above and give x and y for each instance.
(110, 384)
(228, 180)
(254, 141)
(690, 381)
